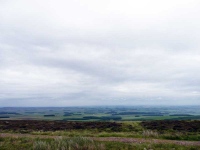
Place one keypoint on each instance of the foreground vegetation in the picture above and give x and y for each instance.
(173, 130)
(81, 143)
(62, 135)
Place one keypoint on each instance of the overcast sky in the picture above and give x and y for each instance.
(99, 52)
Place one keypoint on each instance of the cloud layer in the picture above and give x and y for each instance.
(65, 53)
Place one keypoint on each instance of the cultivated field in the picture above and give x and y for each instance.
(137, 113)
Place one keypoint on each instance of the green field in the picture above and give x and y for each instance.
(125, 113)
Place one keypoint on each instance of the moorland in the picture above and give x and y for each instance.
(106, 127)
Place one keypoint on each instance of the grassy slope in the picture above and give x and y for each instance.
(40, 144)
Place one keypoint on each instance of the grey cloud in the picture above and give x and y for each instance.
(89, 53)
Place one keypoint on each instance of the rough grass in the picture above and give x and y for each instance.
(81, 143)
(151, 129)
(76, 143)
(146, 146)
(173, 130)
(150, 134)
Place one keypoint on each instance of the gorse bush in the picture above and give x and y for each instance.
(76, 143)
